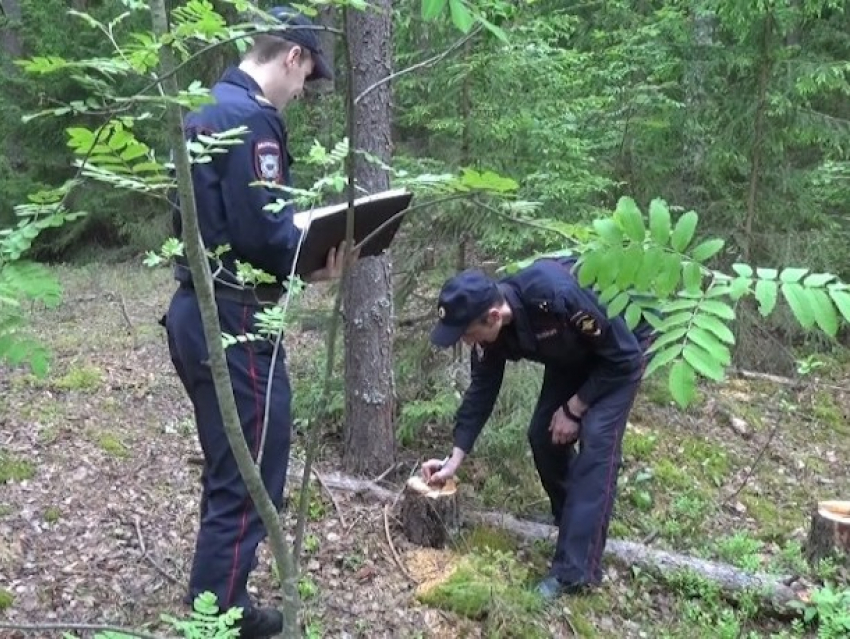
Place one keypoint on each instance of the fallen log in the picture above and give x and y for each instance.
(829, 533)
(777, 591)
(731, 581)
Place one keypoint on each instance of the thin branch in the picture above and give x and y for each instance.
(419, 65)
(331, 495)
(383, 225)
(396, 558)
(752, 468)
(515, 220)
(71, 625)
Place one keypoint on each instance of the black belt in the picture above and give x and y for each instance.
(258, 296)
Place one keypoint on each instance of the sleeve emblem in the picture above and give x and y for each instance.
(586, 324)
(267, 161)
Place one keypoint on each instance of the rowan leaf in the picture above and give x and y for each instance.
(608, 231)
(432, 8)
(668, 337)
(767, 273)
(717, 327)
(716, 307)
(682, 383)
(711, 343)
(618, 304)
(659, 221)
(744, 270)
(684, 230)
(790, 275)
(703, 362)
(842, 301)
(662, 358)
(461, 17)
(632, 315)
(630, 219)
(817, 280)
(706, 250)
(692, 277)
(668, 279)
(766, 294)
(799, 303)
(824, 312)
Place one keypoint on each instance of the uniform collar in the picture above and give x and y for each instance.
(235, 75)
(520, 323)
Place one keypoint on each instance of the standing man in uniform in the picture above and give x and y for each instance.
(593, 368)
(231, 212)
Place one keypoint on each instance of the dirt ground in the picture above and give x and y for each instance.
(97, 521)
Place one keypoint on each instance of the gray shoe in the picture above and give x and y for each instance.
(551, 588)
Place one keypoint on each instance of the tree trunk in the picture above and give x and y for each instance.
(320, 93)
(10, 40)
(11, 48)
(368, 303)
(696, 79)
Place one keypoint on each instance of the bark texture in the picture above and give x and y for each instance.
(368, 302)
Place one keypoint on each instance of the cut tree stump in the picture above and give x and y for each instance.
(429, 516)
(829, 534)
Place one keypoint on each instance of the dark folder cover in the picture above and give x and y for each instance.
(327, 227)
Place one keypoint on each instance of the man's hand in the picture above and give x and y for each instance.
(334, 263)
(564, 430)
(437, 472)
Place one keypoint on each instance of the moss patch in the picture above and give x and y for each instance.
(15, 469)
(491, 587)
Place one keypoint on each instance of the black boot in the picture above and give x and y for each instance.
(260, 623)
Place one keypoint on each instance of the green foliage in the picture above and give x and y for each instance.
(206, 621)
(492, 586)
(829, 609)
(657, 271)
(14, 469)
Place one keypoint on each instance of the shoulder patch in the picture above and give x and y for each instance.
(586, 324)
(268, 160)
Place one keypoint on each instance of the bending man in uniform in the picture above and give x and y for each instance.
(593, 367)
(231, 212)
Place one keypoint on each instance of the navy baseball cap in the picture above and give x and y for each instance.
(306, 36)
(463, 299)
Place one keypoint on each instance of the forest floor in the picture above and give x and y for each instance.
(99, 498)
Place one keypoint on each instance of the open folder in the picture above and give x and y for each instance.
(327, 226)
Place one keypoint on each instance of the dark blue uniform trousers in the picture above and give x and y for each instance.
(581, 486)
(230, 527)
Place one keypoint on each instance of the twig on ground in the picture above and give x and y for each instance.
(71, 625)
(331, 495)
(127, 319)
(786, 381)
(384, 474)
(396, 558)
(753, 466)
(150, 559)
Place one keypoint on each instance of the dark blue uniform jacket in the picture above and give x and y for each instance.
(558, 323)
(230, 199)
